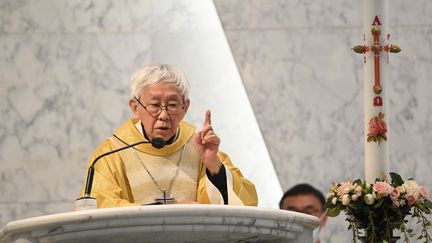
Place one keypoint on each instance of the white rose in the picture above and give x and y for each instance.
(330, 194)
(411, 186)
(369, 199)
(346, 199)
(358, 189)
(401, 189)
(334, 201)
(368, 186)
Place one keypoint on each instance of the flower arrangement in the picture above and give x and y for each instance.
(375, 210)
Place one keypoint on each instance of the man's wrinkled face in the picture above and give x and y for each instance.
(160, 108)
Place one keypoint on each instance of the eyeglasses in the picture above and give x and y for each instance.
(155, 109)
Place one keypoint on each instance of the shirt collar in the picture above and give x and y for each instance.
(141, 129)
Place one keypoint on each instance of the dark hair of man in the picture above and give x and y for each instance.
(303, 189)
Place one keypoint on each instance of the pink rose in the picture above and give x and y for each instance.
(394, 195)
(377, 127)
(373, 128)
(411, 198)
(382, 126)
(383, 189)
(344, 188)
(424, 192)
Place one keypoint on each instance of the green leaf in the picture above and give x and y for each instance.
(396, 179)
(428, 204)
(358, 182)
(380, 202)
(333, 212)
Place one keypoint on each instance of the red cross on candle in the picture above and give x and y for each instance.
(376, 48)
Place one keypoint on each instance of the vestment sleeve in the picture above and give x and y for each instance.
(110, 184)
(240, 190)
(220, 181)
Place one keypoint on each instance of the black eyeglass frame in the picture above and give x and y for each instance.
(161, 108)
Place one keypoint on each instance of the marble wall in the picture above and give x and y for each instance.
(65, 66)
(64, 72)
(306, 87)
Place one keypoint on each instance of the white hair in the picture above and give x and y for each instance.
(153, 74)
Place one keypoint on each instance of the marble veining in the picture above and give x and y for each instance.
(64, 72)
(66, 64)
(306, 85)
(166, 223)
(55, 17)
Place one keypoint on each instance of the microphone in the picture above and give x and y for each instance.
(156, 142)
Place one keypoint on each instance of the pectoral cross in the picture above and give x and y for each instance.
(165, 199)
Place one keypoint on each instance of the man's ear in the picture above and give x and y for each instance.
(186, 105)
(133, 104)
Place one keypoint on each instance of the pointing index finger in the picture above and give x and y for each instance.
(207, 120)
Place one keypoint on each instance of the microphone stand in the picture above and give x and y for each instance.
(88, 202)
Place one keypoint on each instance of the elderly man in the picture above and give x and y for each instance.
(188, 169)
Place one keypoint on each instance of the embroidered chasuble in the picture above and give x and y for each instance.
(164, 171)
(121, 179)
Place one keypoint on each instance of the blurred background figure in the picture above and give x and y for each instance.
(304, 198)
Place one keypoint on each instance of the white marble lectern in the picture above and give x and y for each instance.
(165, 223)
